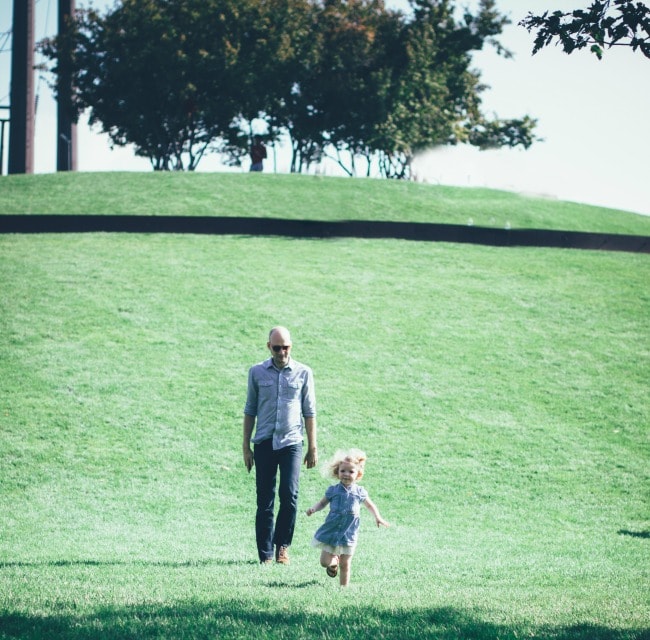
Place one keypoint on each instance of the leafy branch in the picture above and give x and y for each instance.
(604, 24)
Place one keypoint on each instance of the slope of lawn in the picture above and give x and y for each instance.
(301, 197)
(501, 396)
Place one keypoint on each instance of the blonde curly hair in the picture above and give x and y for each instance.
(353, 456)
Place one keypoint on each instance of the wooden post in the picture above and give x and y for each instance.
(66, 139)
(22, 107)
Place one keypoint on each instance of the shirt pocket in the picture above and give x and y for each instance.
(292, 391)
(267, 390)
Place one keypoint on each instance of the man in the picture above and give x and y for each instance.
(258, 154)
(280, 397)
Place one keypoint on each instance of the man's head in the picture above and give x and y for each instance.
(279, 345)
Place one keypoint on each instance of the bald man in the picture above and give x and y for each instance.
(280, 406)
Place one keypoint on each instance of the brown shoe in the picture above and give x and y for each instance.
(282, 555)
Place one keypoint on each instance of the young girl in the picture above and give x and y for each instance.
(337, 537)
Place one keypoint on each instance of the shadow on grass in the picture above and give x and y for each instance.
(238, 619)
(278, 584)
(634, 534)
(233, 225)
(124, 563)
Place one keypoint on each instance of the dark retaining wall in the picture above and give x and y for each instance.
(318, 229)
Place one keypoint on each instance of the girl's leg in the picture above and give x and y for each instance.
(345, 564)
(328, 559)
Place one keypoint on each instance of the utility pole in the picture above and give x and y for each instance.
(21, 125)
(3, 122)
(66, 140)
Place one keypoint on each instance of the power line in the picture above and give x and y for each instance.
(5, 36)
(40, 75)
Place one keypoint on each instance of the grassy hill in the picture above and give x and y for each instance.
(500, 393)
(301, 197)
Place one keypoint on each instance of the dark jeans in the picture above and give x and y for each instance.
(267, 464)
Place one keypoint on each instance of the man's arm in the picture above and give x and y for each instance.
(311, 459)
(249, 423)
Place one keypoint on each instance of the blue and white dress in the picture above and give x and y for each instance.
(338, 534)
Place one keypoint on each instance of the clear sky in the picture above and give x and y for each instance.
(593, 116)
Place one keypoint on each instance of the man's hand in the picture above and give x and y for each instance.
(311, 459)
(249, 460)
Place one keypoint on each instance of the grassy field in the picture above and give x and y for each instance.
(501, 396)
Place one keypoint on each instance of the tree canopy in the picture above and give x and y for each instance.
(347, 79)
(604, 24)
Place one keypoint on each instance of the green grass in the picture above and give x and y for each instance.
(301, 197)
(501, 395)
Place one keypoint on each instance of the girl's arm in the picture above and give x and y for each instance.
(321, 504)
(375, 512)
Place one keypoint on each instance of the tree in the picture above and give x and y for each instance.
(604, 24)
(359, 41)
(292, 107)
(436, 95)
(155, 74)
(343, 78)
(275, 43)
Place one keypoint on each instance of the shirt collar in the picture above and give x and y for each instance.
(270, 365)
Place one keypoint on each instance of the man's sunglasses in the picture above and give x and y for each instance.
(277, 348)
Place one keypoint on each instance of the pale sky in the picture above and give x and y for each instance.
(593, 116)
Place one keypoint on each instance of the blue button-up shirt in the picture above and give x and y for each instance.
(280, 399)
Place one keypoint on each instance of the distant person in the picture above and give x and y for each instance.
(282, 399)
(258, 154)
(337, 537)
